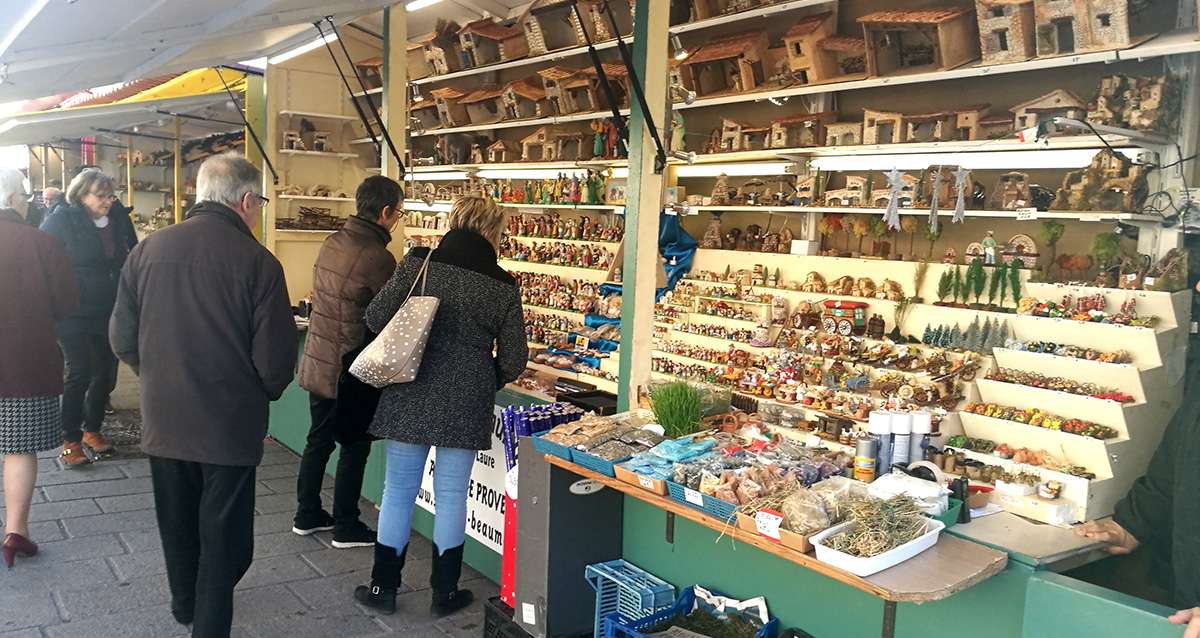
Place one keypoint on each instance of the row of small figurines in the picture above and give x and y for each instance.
(557, 254)
(554, 226)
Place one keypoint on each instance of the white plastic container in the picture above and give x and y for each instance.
(1015, 489)
(860, 566)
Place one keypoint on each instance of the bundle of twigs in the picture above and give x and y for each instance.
(880, 526)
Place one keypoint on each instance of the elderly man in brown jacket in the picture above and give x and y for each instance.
(353, 265)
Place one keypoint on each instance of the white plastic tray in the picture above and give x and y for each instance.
(860, 566)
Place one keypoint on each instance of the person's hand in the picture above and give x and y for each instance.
(1191, 618)
(1107, 531)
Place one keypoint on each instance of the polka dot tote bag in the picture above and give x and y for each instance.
(395, 355)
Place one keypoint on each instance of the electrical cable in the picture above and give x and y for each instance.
(262, 152)
(660, 158)
(362, 117)
(602, 78)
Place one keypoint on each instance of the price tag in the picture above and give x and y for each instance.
(620, 210)
(646, 482)
(1149, 281)
(581, 342)
(1131, 277)
(584, 487)
(768, 523)
(528, 614)
(693, 497)
(1026, 214)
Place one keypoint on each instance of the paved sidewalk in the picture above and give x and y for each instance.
(100, 572)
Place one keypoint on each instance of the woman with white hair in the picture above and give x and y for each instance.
(98, 235)
(35, 270)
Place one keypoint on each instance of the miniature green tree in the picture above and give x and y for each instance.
(959, 287)
(879, 230)
(932, 235)
(994, 285)
(1106, 247)
(1051, 232)
(1014, 282)
(956, 338)
(945, 285)
(1001, 273)
(971, 340)
(977, 277)
(927, 337)
(986, 333)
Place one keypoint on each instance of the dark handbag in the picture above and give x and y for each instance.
(356, 404)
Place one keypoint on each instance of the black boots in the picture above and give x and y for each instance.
(447, 568)
(385, 579)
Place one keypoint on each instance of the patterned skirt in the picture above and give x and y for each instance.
(30, 424)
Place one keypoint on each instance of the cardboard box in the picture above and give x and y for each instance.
(788, 539)
(657, 486)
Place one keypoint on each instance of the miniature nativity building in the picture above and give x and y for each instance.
(487, 41)
(739, 136)
(1131, 102)
(524, 99)
(1057, 103)
(424, 115)
(618, 79)
(844, 134)
(851, 195)
(502, 151)
(549, 144)
(440, 48)
(558, 97)
(370, 70)
(1006, 30)
(965, 123)
(450, 109)
(1072, 26)
(880, 197)
(543, 26)
(1011, 192)
(1112, 182)
(483, 105)
(932, 39)
(733, 64)
(803, 129)
(418, 65)
(816, 54)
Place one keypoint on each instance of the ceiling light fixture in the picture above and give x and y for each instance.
(302, 49)
(420, 4)
(681, 53)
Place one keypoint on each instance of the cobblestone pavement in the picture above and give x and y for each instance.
(100, 572)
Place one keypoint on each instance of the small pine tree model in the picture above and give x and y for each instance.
(945, 285)
(945, 341)
(1000, 336)
(994, 284)
(958, 285)
(956, 338)
(1002, 274)
(971, 340)
(985, 333)
(978, 278)
(937, 336)
(928, 335)
(1014, 283)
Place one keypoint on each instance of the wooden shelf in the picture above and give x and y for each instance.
(761, 12)
(374, 91)
(322, 116)
(518, 166)
(1092, 216)
(540, 121)
(950, 566)
(574, 314)
(1168, 44)
(288, 151)
(551, 240)
(552, 56)
(533, 266)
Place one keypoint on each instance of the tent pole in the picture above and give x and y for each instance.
(178, 190)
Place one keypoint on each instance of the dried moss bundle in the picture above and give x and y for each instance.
(880, 526)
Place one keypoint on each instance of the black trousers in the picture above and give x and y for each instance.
(206, 520)
(348, 480)
(91, 375)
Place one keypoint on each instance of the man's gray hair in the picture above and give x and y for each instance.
(12, 186)
(226, 178)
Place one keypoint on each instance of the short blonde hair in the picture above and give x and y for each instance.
(479, 215)
(87, 181)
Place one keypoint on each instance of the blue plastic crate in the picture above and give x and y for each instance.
(595, 463)
(711, 505)
(626, 589)
(620, 626)
(550, 447)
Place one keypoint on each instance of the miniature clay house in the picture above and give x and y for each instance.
(524, 99)
(807, 62)
(483, 106)
(1006, 31)
(571, 146)
(487, 41)
(1129, 102)
(848, 52)
(502, 151)
(371, 69)
(843, 133)
(580, 91)
(908, 193)
(995, 126)
(851, 195)
(1112, 182)
(920, 39)
(1057, 103)
(441, 49)
(882, 127)
(543, 26)
(418, 66)
(929, 127)
(552, 83)
(733, 64)
(737, 136)
(1011, 191)
(1070, 26)
(539, 145)
(804, 129)
(968, 122)
(805, 190)
(426, 114)
(450, 108)
(618, 79)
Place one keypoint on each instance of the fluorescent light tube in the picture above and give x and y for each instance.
(302, 49)
(993, 160)
(741, 169)
(420, 4)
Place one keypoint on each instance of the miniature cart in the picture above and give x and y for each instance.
(845, 318)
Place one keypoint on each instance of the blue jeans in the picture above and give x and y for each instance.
(451, 476)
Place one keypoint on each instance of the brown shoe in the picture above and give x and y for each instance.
(97, 443)
(73, 454)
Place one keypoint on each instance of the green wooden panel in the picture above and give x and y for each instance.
(1058, 605)
(801, 598)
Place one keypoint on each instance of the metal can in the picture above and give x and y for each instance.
(865, 455)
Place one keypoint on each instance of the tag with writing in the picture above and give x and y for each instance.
(528, 614)
(646, 482)
(768, 522)
(1026, 214)
(692, 496)
(1149, 281)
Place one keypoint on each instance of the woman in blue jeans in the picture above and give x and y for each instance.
(476, 346)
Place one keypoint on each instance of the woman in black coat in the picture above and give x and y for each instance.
(98, 235)
(476, 346)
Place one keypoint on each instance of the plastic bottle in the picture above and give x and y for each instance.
(922, 426)
(901, 438)
(880, 428)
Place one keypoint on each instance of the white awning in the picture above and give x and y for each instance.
(151, 117)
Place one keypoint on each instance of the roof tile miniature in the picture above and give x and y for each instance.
(915, 16)
(729, 47)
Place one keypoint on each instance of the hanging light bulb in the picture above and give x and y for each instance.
(681, 53)
(416, 92)
(678, 92)
(687, 156)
